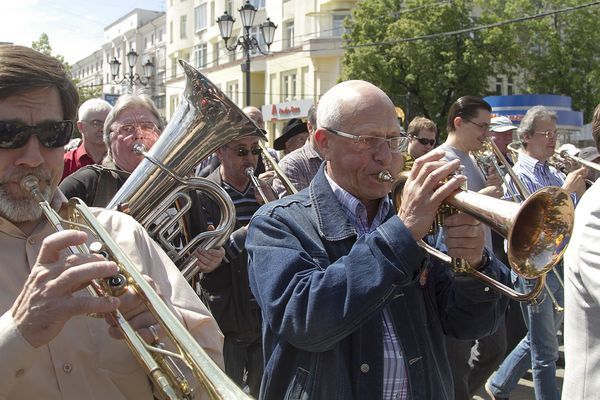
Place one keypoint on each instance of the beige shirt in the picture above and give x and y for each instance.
(83, 361)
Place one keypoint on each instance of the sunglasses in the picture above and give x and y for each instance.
(425, 141)
(243, 152)
(52, 134)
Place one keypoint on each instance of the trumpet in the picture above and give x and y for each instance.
(289, 187)
(160, 363)
(524, 193)
(537, 231)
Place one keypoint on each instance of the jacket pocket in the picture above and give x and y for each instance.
(298, 390)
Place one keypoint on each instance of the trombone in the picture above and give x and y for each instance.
(289, 186)
(161, 364)
(256, 183)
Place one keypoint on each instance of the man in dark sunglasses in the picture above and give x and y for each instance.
(422, 133)
(90, 123)
(55, 349)
(225, 288)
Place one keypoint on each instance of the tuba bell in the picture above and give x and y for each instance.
(157, 194)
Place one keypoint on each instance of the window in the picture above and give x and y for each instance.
(499, 86)
(510, 87)
(173, 103)
(216, 50)
(173, 68)
(258, 3)
(200, 55)
(233, 91)
(159, 101)
(183, 27)
(171, 32)
(212, 13)
(160, 35)
(254, 32)
(288, 89)
(272, 85)
(200, 18)
(338, 25)
(229, 7)
(288, 35)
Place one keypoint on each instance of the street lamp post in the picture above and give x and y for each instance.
(132, 78)
(246, 41)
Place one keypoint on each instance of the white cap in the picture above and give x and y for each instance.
(501, 124)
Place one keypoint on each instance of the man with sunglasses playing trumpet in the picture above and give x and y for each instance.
(224, 285)
(352, 307)
(49, 346)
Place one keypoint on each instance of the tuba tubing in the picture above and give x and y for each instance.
(204, 121)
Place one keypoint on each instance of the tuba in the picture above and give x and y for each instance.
(157, 192)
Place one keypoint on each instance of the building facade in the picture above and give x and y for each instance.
(303, 63)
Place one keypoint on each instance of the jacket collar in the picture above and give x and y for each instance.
(333, 223)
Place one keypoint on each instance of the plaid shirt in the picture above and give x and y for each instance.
(395, 380)
(300, 166)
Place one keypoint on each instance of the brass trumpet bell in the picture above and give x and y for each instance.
(537, 230)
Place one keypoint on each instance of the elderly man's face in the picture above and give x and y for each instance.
(502, 139)
(238, 155)
(353, 167)
(31, 107)
(295, 142)
(91, 127)
(132, 126)
(542, 141)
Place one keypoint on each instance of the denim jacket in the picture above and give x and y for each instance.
(322, 291)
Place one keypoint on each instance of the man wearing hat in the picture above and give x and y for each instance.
(501, 132)
(224, 287)
(293, 137)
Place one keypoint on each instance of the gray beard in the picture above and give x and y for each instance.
(23, 208)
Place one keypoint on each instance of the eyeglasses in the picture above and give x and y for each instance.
(243, 152)
(396, 144)
(424, 141)
(95, 123)
(549, 134)
(130, 129)
(485, 127)
(51, 134)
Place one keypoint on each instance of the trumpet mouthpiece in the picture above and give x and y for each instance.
(249, 171)
(385, 176)
(30, 183)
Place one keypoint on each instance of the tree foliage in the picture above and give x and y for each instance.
(560, 53)
(426, 75)
(551, 55)
(85, 93)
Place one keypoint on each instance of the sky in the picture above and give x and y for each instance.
(75, 28)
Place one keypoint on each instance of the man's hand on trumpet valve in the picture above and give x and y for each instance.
(464, 238)
(137, 315)
(48, 300)
(427, 186)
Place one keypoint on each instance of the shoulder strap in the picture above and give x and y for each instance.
(107, 187)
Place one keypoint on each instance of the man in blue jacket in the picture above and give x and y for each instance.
(352, 307)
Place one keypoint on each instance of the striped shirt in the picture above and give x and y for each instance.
(395, 380)
(534, 174)
(245, 206)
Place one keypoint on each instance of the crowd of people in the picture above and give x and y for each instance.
(328, 293)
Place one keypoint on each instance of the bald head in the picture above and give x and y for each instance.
(349, 100)
(255, 115)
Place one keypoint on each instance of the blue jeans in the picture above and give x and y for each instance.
(539, 348)
(244, 363)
